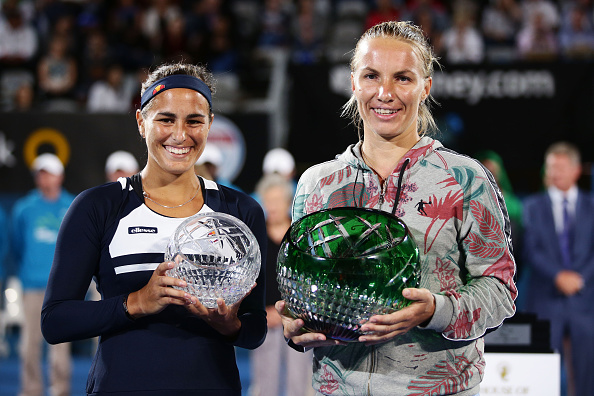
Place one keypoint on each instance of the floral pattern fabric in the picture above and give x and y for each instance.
(457, 217)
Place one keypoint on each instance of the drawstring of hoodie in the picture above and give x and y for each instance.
(399, 189)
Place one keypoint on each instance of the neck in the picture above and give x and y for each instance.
(383, 158)
(50, 194)
(277, 230)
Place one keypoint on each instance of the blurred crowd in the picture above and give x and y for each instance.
(73, 55)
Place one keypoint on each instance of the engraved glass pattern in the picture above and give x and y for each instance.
(338, 267)
(217, 255)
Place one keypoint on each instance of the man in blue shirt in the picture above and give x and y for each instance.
(36, 219)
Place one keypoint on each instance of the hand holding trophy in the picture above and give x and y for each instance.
(338, 267)
(218, 257)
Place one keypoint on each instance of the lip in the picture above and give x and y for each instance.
(177, 151)
(391, 114)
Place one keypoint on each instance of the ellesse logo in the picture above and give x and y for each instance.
(142, 230)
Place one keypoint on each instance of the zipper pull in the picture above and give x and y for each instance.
(383, 192)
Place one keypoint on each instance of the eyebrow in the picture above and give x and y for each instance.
(173, 115)
(371, 69)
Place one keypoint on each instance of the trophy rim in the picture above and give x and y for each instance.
(408, 235)
(253, 248)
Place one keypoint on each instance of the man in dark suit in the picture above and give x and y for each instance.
(559, 250)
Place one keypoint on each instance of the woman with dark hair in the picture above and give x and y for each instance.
(154, 339)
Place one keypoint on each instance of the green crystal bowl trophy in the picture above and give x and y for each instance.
(217, 255)
(338, 267)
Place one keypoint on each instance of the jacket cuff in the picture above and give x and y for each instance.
(442, 315)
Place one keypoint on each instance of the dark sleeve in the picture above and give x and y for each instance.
(252, 312)
(66, 316)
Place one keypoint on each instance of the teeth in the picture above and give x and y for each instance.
(385, 111)
(176, 150)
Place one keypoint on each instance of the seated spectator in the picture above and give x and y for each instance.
(57, 70)
(546, 9)
(221, 55)
(424, 17)
(537, 41)
(155, 19)
(309, 31)
(24, 98)
(110, 94)
(95, 59)
(274, 25)
(462, 43)
(18, 39)
(576, 37)
(384, 11)
(438, 11)
(500, 24)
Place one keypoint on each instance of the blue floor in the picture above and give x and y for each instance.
(81, 362)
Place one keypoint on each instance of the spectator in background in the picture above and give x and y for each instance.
(558, 248)
(18, 39)
(120, 164)
(278, 160)
(274, 26)
(95, 58)
(546, 9)
(425, 19)
(309, 30)
(384, 10)
(110, 94)
(57, 72)
(24, 98)
(501, 21)
(277, 369)
(209, 166)
(124, 29)
(576, 37)
(154, 22)
(462, 42)
(221, 55)
(36, 219)
(537, 41)
(209, 162)
(435, 8)
(18, 48)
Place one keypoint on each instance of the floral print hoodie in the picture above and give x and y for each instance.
(457, 217)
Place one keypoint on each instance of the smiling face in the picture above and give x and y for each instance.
(389, 85)
(175, 128)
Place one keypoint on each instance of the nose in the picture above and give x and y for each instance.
(386, 92)
(179, 134)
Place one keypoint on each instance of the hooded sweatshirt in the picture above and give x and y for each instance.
(457, 217)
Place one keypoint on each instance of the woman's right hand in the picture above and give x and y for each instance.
(293, 329)
(158, 293)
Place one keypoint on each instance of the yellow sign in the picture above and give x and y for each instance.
(48, 136)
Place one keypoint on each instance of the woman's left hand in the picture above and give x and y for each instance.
(385, 327)
(223, 318)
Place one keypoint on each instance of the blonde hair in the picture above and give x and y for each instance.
(413, 35)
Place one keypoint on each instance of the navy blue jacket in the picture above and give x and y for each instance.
(170, 353)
